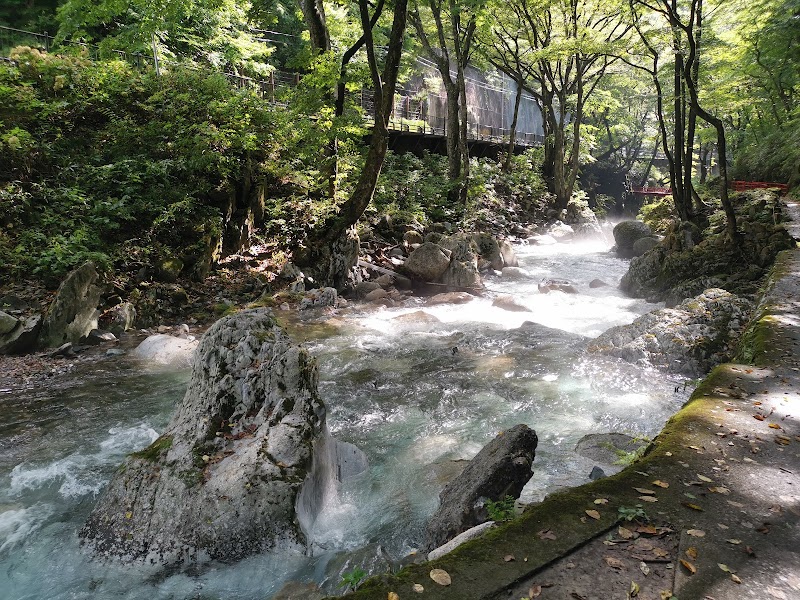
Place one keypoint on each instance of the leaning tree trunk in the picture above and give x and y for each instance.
(512, 135)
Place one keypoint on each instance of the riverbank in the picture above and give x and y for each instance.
(714, 502)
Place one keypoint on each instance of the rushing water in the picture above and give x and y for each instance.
(418, 398)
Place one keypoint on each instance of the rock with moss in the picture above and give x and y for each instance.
(428, 262)
(73, 312)
(222, 482)
(462, 272)
(500, 469)
(690, 339)
(626, 235)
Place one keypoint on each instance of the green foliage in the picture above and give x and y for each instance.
(412, 188)
(352, 579)
(659, 214)
(100, 161)
(501, 510)
(631, 513)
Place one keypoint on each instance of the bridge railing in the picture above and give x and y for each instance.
(409, 114)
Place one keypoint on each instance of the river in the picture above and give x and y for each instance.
(417, 398)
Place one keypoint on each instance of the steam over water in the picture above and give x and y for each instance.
(418, 399)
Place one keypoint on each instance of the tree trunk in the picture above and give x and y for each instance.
(453, 142)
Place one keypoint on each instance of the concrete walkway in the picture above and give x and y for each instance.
(717, 497)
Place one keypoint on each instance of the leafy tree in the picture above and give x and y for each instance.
(560, 49)
(446, 31)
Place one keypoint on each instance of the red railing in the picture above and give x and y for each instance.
(742, 186)
(652, 191)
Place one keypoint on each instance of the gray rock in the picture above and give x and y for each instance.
(451, 298)
(418, 320)
(319, 297)
(583, 220)
(23, 337)
(169, 269)
(596, 473)
(428, 262)
(73, 313)
(500, 469)
(165, 349)
(644, 244)
(96, 336)
(12, 302)
(63, 350)
(489, 249)
(377, 294)
(561, 231)
(291, 271)
(413, 237)
(690, 339)
(515, 273)
(119, 318)
(365, 287)
(372, 559)
(625, 235)
(115, 352)
(508, 302)
(542, 240)
(223, 480)
(463, 268)
(556, 285)
(7, 323)
(508, 254)
(597, 283)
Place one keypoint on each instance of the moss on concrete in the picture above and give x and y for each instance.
(155, 450)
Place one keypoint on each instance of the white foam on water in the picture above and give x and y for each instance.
(19, 523)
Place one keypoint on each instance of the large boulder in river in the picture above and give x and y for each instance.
(462, 272)
(163, 349)
(500, 469)
(428, 262)
(627, 233)
(691, 338)
(73, 313)
(223, 480)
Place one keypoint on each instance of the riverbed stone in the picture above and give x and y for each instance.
(625, 235)
(500, 469)
(643, 245)
(428, 262)
(7, 323)
(515, 273)
(22, 338)
(556, 285)
(510, 303)
(73, 313)
(597, 283)
(319, 297)
(118, 319)
(451, 298)
(163, 349)
(690, 339)
(223, 479)
(608, 448)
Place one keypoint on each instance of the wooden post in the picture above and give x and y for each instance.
(155, 55)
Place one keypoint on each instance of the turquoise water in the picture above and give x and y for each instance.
(401, 393)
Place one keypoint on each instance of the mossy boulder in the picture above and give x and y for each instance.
(627, 233)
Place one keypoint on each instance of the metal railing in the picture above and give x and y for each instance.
(410, 115)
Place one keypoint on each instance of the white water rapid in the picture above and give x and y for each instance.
(417, 397)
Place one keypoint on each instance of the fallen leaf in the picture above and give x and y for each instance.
(661, 484)
(722, 526)
(660, 552)
(644, 569)
(649, 529)
(594, 514)
(546, 534)
(704, 478)
(782, 440)
(648, 498)
(692, 506)
(734, 542)
(719, 490)
(625, 534)
(418, 588)
(696, 532)
(634, 590)
(774, 426)
(601, 501)
(509, 558)
(665, 594)
(759, 417)
(725, 568)
(535, 591)
(644, 491)
(688, 566)
(763, 529)
(614, 563)
(691, 552)
(128, 515)
(750, 551)
(441, 577)
(393, 596)
(735, 578)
